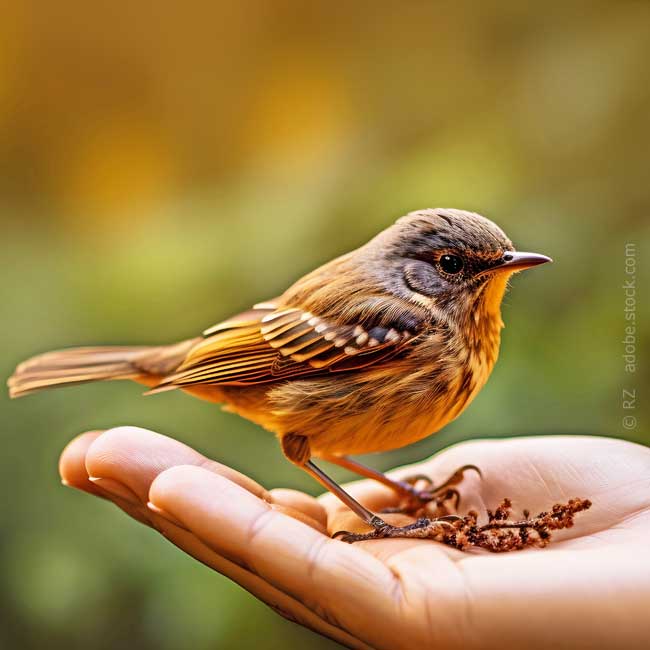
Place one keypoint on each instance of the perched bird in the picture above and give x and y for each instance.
(372, 351)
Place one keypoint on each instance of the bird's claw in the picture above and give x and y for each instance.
(454, 479)
(418, 499)
(417, 478)
(422, 528)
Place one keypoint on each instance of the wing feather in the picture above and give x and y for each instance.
(274, 342)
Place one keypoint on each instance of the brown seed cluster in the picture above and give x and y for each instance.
(498, 535)
(502, 534)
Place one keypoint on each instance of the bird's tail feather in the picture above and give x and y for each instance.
(76, 366)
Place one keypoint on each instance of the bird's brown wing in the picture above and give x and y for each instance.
(273, 342)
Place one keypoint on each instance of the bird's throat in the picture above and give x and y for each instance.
(487, 306)
(483, 327)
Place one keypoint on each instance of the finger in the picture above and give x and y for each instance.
(133, 457)
(72, 469)
(72, 463)
(280, 602)
(125, 460)
(342, 583)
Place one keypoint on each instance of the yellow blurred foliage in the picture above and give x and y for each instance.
(114, 174)
(299, 114)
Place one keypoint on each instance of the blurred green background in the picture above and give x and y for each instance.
(163, 167)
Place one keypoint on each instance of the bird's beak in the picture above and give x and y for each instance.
(513, 261)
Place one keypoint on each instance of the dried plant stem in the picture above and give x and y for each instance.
(498, 535)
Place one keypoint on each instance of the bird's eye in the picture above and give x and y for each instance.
(451, 264)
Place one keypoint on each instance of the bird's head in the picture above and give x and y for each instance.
(451, 260)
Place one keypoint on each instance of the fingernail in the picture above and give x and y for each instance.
(165, 515)
(116, 488)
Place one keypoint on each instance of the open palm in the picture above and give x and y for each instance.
(589, 588)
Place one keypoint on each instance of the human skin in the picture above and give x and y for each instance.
(590, 588)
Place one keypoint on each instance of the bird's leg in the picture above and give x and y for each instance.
(414, 499)
(424, 527)
(297, 450)
(362, 512)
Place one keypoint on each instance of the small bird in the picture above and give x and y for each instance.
(374, 350)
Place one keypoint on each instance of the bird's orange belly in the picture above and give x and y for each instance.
(384, 429)
(390, 410)
(341, 415)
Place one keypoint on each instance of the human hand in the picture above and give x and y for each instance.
(589, 588)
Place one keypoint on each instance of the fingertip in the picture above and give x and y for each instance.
(164, 514)
(202, 499)
(169, 481)
(72, 462)
(114, 444)
(188, 489)
(182, 485)
(135, 456)
(103, 451)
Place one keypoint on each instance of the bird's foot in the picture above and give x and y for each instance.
(500, 533)
(420, 493)
(437, 529)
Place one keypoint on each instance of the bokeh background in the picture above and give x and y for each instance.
(162, 167)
